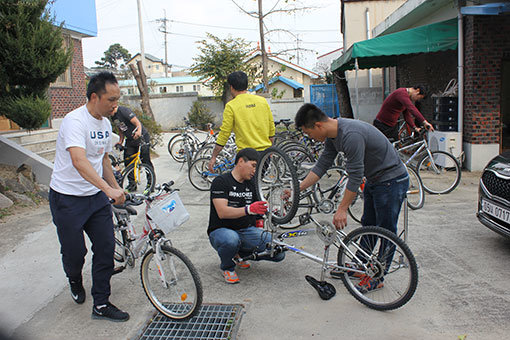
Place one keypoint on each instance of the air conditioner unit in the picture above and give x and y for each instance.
(446, 141)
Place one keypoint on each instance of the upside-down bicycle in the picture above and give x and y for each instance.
(375, 265)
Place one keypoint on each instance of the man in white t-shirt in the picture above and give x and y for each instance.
(81, 184)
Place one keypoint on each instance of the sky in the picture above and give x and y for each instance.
(316, 29)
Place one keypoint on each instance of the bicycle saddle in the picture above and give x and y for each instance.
(325, 289)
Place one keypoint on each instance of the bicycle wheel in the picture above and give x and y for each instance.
(199, 174)
(439, 175)
(140, 181)
(171, 141)
(391, 268)
(172, 286)
(205, 151)
(415, 193)
(356, 207)
(298, 155)
(276, 174)
(177, 150)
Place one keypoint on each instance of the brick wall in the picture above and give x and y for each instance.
(66, 99)
(487, 42)
(434, 70)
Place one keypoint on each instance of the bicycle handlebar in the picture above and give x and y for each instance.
(138, 199)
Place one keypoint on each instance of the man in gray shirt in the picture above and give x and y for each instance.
(368, 154)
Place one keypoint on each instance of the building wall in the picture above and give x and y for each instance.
(151, 68)
(487, 42)
(180, 105)
(290, 73)
(356, 30)
(66, 99)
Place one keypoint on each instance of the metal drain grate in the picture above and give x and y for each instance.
(213, 321)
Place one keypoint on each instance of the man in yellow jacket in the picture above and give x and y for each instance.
(248, 115)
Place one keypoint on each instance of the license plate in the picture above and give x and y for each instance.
(496, 211)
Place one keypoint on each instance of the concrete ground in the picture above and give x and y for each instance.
(462, 287)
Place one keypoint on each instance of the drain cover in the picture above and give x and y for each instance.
(213, 321)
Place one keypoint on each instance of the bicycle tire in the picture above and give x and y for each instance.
(448, 174)
(356, 208)
(415, 192)
(199, 174)
(275, 170)
(171, 141)
(146, 179)
(182, 296)
(120, 254)
(176, 149)
(299, 155)
(400, 277)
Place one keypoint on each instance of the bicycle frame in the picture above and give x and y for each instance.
(422, 146)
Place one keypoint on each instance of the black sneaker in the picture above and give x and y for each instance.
(109, 312)
(77, 291)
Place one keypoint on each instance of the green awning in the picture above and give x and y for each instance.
(383, 51)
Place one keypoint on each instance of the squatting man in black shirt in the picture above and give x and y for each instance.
(235, 208)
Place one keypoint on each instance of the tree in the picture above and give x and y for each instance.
(220, 57)
(32, 56)
(260, 15)
(115, 57)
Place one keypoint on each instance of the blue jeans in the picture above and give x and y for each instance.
(382, 202)
(228, 243)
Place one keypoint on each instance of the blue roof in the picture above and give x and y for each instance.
(292, 83)
(78, 16)
(496, 8)
(163, 81)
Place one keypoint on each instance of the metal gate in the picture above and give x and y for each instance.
(324, 96)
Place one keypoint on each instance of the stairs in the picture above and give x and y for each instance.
(41, 142)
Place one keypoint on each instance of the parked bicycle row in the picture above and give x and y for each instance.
(431, 171)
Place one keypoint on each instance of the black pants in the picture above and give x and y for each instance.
(132, 147)
(391, 132)
(74, 215)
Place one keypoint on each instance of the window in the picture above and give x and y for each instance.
(64, 80)
(298, 93)
(162, 89)
(157, 67)
(196, 88)
(179, 88)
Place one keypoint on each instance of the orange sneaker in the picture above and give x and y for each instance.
(230, 277)
(241, 264)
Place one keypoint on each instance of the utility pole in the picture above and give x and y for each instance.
(163, 30)
(140, 28)
(297, 48)
(263, 48)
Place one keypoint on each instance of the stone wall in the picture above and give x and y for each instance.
(18, 186)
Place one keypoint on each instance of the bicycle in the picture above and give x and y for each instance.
(176, 145)
(168, 277)
(439, 171)
(141, 177)
(365, 255)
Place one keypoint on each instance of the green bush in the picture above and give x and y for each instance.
(200, 115)
(30, 112)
